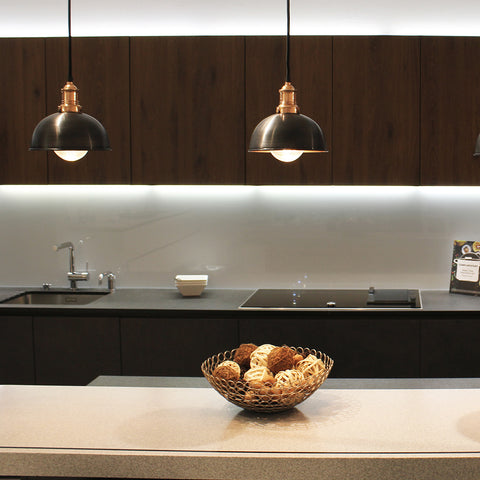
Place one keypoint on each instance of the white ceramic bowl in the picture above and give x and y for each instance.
(190, 289)
(203, 279)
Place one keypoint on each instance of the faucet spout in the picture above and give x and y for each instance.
(68, 245)
(72, 275)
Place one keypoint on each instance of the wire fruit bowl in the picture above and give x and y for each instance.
(265, 399)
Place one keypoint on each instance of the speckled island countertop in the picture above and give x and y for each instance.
(193, 433)
(152, 299)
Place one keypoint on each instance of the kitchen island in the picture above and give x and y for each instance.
(377, 431)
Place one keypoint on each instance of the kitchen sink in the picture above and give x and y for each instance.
(54, 298)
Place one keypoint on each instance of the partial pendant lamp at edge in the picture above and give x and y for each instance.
(69, 132)
(287, 134)
(477, 148)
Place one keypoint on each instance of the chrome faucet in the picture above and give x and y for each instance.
(111, 280)
(72, 275)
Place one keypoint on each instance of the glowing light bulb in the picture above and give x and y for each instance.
(287, 155)
(71, 155)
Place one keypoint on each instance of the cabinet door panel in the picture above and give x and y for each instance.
(101, 72)
(376, 85)
(311, 75)
(22, 103)
(187, 110)
(450, 347)
(361, 347)
(16, 350)
(173, 346)
(75, 350)
(450, 110)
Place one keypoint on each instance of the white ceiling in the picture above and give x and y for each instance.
(48, 18)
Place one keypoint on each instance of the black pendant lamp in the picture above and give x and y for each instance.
(287, 134)
(69, 132)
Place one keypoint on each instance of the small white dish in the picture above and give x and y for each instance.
(203, 279)
(191, 285)
(190, 290)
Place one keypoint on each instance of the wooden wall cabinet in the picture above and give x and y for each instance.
(101, 72)
(311, 75)
(22, 103)
(187, 98)
(376, 88)
(450, 106)
(181, 110)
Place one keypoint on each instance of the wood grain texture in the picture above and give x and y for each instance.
(187, 110)
(376, 110)
(101, 72)
(22, 103)
(174, 346)
(311, 75)
(16, 350)
(450, 102)
(74, 350)
(361, 345)
(450, 346)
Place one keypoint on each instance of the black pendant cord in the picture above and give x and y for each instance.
(287, 76)
(70, 76)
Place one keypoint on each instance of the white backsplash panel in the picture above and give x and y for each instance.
(241, 236)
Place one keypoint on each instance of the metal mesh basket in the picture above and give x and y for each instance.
(264, 400)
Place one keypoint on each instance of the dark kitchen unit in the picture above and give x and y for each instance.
(139, 331)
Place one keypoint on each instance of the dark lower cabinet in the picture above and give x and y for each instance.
(174, 346)
(16, 350)
(74, 350)
(369, 346)
(451, 346)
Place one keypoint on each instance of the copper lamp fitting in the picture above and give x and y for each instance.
(69, 99)
(288, 103)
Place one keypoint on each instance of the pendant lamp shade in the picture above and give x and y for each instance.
(287, 131)
(287, 134)
(70, 133)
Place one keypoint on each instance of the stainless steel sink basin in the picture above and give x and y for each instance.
(55, 298)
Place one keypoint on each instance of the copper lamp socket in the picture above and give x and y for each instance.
(288, 102)
(69, 99)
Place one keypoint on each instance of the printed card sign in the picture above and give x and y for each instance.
(465, 274)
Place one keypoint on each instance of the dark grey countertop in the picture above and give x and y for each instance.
(145, 299)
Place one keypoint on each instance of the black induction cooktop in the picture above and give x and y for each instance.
(319, 299)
